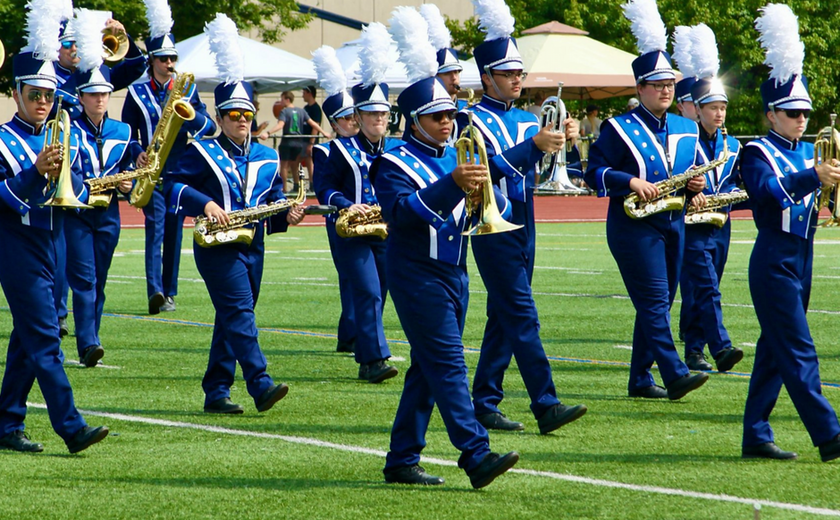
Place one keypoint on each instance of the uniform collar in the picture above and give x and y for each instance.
(232, 148)
(655, 123)
(158, 86)
(495, 103)
(782, 142)
(29, 128)
(95, 130)
(432, 151)
(60, 68)
(369, 147)
(706, 136)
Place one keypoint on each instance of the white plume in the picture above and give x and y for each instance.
(647, 25)
(438, 32)
(704, 48)
(330, 73)
(411, 32)
(159, 16)
(779, 30)
(43, 22)
(88, 26)
(375, 55)
(494, 18)
(66, 9)
(223, 38)
(683, 53)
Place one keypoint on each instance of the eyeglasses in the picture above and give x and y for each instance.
(517, 74)
(35, 95)
(795, 113)
(235, 115)
(164, 59)
(67, 44)
(437, 117)
(659, 87)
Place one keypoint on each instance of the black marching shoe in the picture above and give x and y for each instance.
(63, 329)
(491, 467)
(168, 304)
(377, 371)
(558, 415)
(498, 421)
(345, 346)
(830, 450)
(271, 396)
(686, 384)
(411, 475)
(223, 405)
(92, 355)
(86, 437)
(697, 361)
(156, 301)
(649, 392)
(19, 441)
(728, 358)
(768, 450)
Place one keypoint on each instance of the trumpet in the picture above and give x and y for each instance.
(554, 164)
(58, 134)
(114, 46)
(489, 218)
(668, 200)
(826, 149)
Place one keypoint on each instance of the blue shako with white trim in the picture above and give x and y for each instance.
(654, 62)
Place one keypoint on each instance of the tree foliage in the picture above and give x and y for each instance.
(270, 17)
(741, 56)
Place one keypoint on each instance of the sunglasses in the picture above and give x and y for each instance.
(795, 113)
(235, 115)
(437, 117)
(35, 95)
(67, 44)
(164, 59)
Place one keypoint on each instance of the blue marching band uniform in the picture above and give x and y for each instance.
(142, 111)
(707, 247)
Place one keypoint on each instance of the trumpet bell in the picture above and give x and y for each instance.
(114, 46)
(491, 224)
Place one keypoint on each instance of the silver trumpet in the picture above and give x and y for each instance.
(553, 113)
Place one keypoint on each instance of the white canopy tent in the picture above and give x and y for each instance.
(267, 68)
(396, 77)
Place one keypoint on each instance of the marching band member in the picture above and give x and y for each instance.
(707, 245)
(421, 187)
(634, 151)
(345, 183)
(338, 106)
(449, 66)
(515, 145)
(781, 179)
(684, 56)
(142, 111)
(29, 233)
(213, 177)
(106, 148)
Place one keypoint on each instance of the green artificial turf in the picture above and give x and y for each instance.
(167, 471)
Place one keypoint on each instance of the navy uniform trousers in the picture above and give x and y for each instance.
(162, 229)
(704, 259)
(92, 236)
(28, 261)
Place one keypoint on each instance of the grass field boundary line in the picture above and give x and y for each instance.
(451, 463)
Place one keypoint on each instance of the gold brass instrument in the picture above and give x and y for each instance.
(470, 142)
(356, 224)
(58, 133)
(210, 233)
(2, 54)
(114, 46)
(826, 149)
(100, 189)
(708, 214)
(174, 113)
(553, 164)
(668, 200)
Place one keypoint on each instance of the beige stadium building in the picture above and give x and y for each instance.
(332, 26)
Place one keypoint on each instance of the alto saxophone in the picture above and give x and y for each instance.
(210, 233)
(708, 214)
(668, 200)
(351, 224)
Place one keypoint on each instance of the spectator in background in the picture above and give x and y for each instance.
(591, 124)
(256, 130)
(292, 146)
(539, 98)
(632, 103)
(313, 109)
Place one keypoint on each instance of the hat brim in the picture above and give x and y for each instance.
(794, 104)
(94, 89)
(41, 83)
(236, 103)
(712, 99)
(344, 112)
(442, 105)
(509, 65)
(659, 76)
(374, 107)
(164, 52)
(452, 67)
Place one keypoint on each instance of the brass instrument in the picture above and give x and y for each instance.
(356, 224)
(114, 46)
(100, 188)
(490, 220)
(583, 145)
(668, 200)
(2, 54)
(826, 149)
(554, 114)
(708, 214)
(210, 233)
(173, 115)
(58, 133)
